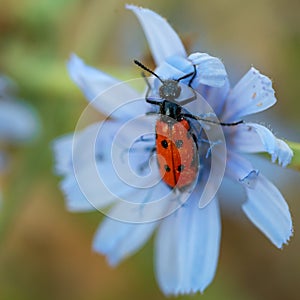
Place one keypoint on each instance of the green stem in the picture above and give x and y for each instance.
(295, 163)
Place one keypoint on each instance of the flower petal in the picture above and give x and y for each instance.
(162, 39)
(283, 153)
(117, 240)
(269, 212)
(253, 138)
(215, 97)
(105, 93)
(90, 80)
(174, 67)
(252, 94)
(187, 248)
(210, 70)
(75, 199)
(82, 187)
(240, 170)
(62, 149)
(18, 121)
(92, 193)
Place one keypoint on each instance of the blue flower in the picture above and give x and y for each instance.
(188, 239)
(18, 121)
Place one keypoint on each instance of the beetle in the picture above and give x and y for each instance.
(176, 138)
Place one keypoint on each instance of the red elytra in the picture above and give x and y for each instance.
(177, 154)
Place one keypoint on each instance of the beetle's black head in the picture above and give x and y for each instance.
(169, 90)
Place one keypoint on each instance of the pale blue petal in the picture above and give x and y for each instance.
(215, 97)
(97, 175)
(240, 170)
(210, 70)
(283, 153)
(96, 194)
(83, 196)
(18, 121)
(90, 194)
(105, 93)
(62, 148)
(162, 39)
(119, 167)
(269, 212)
(90, 80)
(187, 248)
(253, 138)
(75, 199)
(252, 94)
(174, 67)
(147, 205)
(118, 240)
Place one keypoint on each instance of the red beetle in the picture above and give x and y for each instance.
(176, 139)
(177, 154)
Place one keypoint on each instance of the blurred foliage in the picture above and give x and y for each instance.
(45, 252)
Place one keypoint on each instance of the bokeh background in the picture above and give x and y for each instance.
(45, 251)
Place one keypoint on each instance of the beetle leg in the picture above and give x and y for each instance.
(193, 74)
(193, 77)
(147, 97)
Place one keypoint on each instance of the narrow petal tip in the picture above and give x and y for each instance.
(134, 7)
(163, 40)
(73, 63)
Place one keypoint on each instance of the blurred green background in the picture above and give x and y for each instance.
(45, 252)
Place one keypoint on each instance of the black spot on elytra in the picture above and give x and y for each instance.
(164, 144)
(167, 168)
(180, 168)
(178, 143)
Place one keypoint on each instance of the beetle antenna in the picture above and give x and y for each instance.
(147, 69)
(193, 74)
